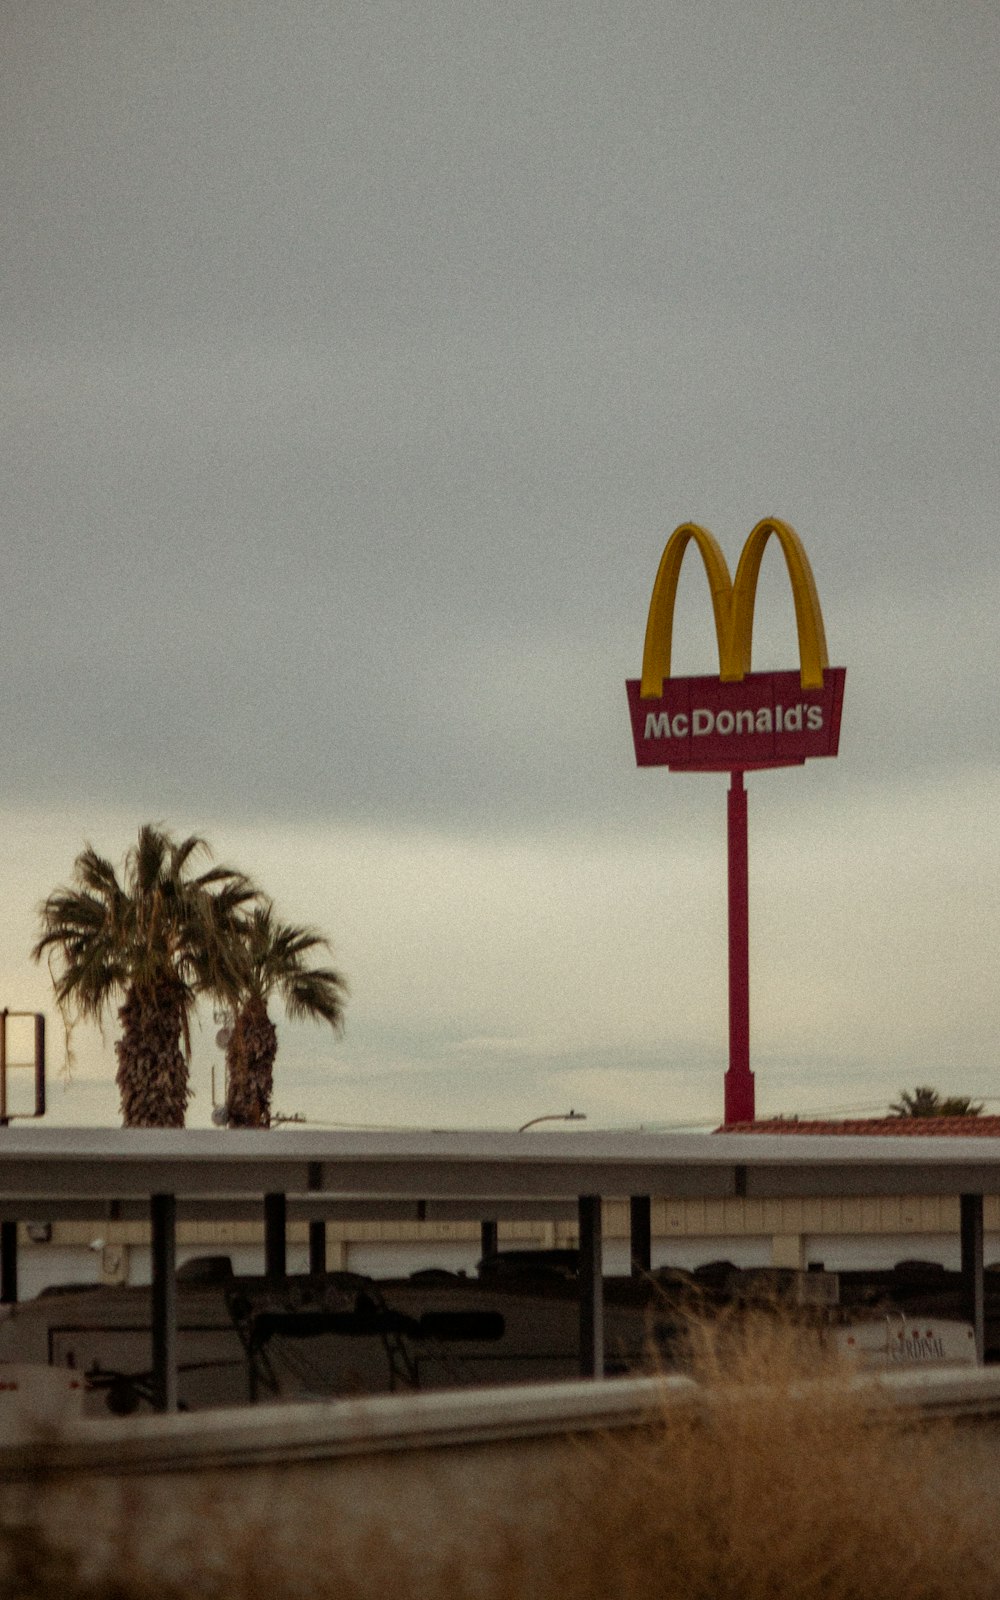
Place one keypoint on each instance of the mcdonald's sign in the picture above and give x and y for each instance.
(741, 719)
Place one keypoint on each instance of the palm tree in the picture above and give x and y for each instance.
(926, 1102)
(148, 942)
(270, 957)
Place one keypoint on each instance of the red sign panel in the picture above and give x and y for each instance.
(767, 720)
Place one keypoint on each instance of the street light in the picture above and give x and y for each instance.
(488, 1227)
(556, 1116)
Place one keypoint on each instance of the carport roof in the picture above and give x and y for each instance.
(480, 1165)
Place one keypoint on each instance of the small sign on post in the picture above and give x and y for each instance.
(22, 1035)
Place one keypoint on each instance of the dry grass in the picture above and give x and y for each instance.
(792, 1488)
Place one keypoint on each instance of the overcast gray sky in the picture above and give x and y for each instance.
(358, 361)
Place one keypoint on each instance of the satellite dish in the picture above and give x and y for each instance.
(220, 1117)
(223, 1037)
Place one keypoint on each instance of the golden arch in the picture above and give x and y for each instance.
(733, 604)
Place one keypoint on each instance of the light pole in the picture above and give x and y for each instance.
(555, 1116)
(488, 1228)
(589, 1263)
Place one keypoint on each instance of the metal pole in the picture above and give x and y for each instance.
(488, 1235)
(275, 1214)
(163, 1220)
(3, 1068)
(39, 1064)
(641, 1234)
(317, 1246)
(8, 1263)
(591, 1288)
(971, 1224)
(739, 1086)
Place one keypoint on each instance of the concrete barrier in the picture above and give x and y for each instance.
(417, 1477)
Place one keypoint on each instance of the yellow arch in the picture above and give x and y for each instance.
(733, 605)
(808, 616)
(660, 622)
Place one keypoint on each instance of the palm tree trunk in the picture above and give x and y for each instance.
(152, 1074)
(250, 1060)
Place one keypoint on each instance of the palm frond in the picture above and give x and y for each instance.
(316, 995)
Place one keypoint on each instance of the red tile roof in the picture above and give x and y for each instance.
(894, 1127)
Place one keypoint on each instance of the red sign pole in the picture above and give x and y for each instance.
(739, 1087)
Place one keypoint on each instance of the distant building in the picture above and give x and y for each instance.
(889, 1127)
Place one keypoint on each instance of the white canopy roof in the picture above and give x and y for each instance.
(465, 1168)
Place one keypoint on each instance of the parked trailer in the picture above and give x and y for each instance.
(246, 1339)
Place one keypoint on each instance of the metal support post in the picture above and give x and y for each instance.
(591, 1288)
(8, 1263)
(163, 1221)
(39, 1064)
(317, 1246)
(641, 1234)
(971, 1224)
(275, 1218)
(739, 1085)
